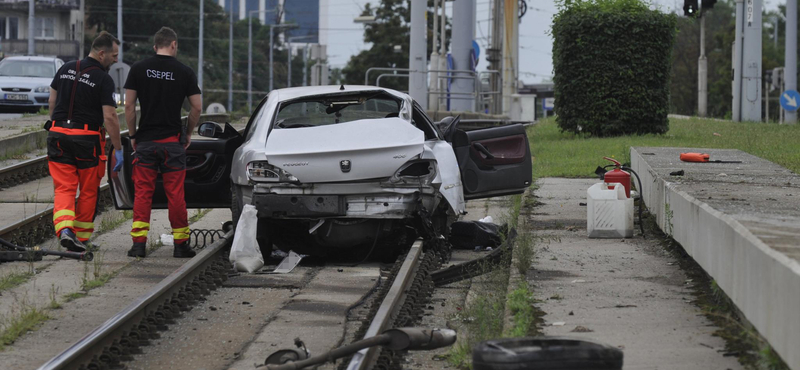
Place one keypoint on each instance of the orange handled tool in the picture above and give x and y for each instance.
(695, 157)
(701, 157)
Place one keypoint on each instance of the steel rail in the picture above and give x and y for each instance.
(98, 345)
(389, 308)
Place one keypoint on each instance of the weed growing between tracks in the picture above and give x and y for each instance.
(741, 339)
(113, 221)
(30, 319)
(14, 279)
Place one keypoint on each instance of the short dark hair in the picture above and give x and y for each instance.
(164, 37)
(104, 41)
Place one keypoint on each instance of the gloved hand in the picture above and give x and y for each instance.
(119, 159)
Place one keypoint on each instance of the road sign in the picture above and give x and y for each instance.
(548, 103)
(790, 100)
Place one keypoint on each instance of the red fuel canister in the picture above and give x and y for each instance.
(620, 176)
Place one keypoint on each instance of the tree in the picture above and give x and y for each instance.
(391, 29)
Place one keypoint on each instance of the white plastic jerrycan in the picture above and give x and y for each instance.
(609, 211)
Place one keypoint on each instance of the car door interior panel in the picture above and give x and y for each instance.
(493, 161)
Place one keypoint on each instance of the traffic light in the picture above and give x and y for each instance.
(708, 4)
(768, 76)
(690, 8)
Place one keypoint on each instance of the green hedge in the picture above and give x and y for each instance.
(612, 61)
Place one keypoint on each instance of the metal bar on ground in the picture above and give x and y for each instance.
(388, 309)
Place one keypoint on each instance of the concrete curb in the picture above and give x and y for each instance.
(763, 283)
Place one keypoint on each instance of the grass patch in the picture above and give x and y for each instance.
(73, 296)
(112, 221)
(198, 214)
(98, 278)
(558, 154)
(520, 303)
(523, 252)
(30, 319)
(14, 279)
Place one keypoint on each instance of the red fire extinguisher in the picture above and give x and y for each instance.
(618, 175)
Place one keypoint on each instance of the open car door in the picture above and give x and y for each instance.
(208, 170)
(493, 161)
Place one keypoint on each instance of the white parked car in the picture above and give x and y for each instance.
(25, 81)
(335, 169)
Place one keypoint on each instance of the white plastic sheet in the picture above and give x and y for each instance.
(245, 254)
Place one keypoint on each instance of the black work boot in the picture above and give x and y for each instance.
(182, 250)
(70, 241)
(138, 250)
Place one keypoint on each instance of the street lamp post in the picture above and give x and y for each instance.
(289, 56)
(250, 56)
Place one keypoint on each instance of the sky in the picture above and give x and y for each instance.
(536, 63)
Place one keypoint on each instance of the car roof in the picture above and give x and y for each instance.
(31, 58)
(292, 93)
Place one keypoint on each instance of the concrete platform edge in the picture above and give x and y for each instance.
(763, 283)
(23, 143)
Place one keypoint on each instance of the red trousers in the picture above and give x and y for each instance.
(168, 157)
(77, 162)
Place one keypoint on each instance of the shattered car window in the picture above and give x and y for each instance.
(320, 111)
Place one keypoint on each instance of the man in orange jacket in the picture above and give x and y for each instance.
(82, 109)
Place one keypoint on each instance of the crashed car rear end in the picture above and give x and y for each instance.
(337, 171)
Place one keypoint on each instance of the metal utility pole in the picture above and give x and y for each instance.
(510, 52)
(119, 28)
(790, 56)
(702, 72)
(230, 56)
(494, 55)
(289, 57)
(443, 54)
(737, 63)
(433, 97)
(81, 27)
(747, 66)
(31, 27)
(305, 66)
(417, 77)
(199, 50)
(250, 56)
(272, 27)
(462, 87)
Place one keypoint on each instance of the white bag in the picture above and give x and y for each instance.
(245, 254)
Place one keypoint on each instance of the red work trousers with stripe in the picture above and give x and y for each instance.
(77, 163)
(168, 157)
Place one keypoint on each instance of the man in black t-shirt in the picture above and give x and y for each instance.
(161, 83)
(82, 109)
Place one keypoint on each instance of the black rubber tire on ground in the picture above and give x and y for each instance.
(545, 353)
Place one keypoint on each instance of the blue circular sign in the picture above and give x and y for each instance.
(790, 100)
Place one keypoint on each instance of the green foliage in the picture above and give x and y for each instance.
(612, 61)
(30, 319)
(520, 304)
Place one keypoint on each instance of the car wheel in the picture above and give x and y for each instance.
(552, 353)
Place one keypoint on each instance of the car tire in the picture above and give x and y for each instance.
(550, 353)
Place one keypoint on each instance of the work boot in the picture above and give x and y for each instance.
(182, 250)
(71, 242)
(138, 250)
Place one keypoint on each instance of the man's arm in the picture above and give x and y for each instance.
(112, 125)
(130, 111)
(52, 101)
(194, 116)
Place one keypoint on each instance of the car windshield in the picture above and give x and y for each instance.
(330, 110)
(27, 68)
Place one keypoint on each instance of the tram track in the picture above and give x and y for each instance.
(399, 302)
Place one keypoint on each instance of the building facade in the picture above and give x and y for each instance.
(55, 31)
(309, 15)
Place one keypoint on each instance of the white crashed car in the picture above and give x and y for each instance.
(334, 169)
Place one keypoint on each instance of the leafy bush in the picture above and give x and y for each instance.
(612, 62)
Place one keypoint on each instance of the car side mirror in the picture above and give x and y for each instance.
(447, 126)
(209, 129)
